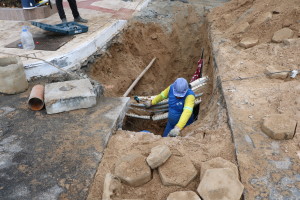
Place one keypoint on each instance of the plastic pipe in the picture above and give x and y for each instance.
(138, 78)
(36, 98)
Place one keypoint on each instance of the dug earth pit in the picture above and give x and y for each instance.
(220, 183)
(133, 170)
(183, 195)
(177, 171)
(279, 127)
(218, 163)
(158, 156)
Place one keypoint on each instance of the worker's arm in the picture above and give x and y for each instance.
(163, 95)
(187, 111)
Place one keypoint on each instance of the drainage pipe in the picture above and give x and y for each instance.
(36, 98)
(138, 78)
(161, 103)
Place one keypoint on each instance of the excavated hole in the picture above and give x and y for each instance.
(177, 53)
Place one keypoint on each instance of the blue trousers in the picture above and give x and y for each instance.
(172, 121)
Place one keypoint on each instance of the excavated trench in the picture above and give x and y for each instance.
(177, 46)
(176, 40)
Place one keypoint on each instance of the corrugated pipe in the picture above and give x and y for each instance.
(36, 98)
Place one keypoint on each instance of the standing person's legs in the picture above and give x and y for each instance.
(60, 9)
(74, 8)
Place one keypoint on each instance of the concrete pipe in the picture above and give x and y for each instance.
(36, 98)
(12, 75)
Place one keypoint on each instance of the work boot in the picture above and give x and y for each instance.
(79, 19)
(64, 20)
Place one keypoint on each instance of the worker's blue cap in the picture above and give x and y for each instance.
(180, 87)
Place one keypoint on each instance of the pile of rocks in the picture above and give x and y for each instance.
(219, 178)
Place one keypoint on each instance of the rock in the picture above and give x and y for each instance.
(242, 28)
(69, 95)
(264, 18)
(218, 163)
(153, 36)
(282, 34)
(133, 170)
(112, 187)
(248, 42)
(287, 22)
(220, 183)
(12, 75)
(290, 41)
(274, 73)
(279, 127)
(177, 171)
(183, 195)
(158, 156)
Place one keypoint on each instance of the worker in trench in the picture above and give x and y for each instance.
(181, 104)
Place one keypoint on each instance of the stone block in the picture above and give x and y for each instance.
(158, 156)
(218, 163)
(282, 34)
(133, 170)
(220, 183)
(177, 171)
(274, 73)
(248, 42)
(183, 195)
(279, 127)
(69, 95)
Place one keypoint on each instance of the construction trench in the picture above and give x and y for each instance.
(77, 154)
(176, 40)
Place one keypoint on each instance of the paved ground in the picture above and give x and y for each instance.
(106, 18)
(45, 156)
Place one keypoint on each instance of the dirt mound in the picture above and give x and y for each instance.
(264, 18)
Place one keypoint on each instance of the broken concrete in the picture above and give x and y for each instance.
(183, 195)
(133, 170)
(158, 156)
(279, 126)
(220, 183)
(218, 163)
(12, 75)
(177, 171)
(69, 95)
(248, 42)
(112, 187)
(282, 34)
(274, 73)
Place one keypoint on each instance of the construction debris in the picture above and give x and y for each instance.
(158, 156)
(133, 170)
(69, 95)
(177, 171)
(220, 183)
(218, 163)
(183, 195)
(279, 126)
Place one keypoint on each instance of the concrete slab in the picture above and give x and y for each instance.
(69, 95)
(53, 156)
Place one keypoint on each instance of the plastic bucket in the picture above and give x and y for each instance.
(28, 4)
